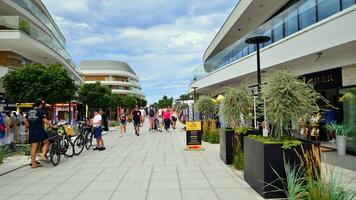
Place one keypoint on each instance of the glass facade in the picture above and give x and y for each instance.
(299, 16)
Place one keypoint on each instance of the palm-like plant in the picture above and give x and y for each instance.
(338, 129)
(288, 99)
(206, 106)
(237, 105)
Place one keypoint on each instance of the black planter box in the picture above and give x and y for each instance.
(260, 162)
(227, 145)
(240, 137)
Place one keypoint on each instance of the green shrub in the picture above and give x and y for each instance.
(214, 138)
(238, 160)
(288, 141)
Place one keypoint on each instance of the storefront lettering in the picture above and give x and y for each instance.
(321, 79)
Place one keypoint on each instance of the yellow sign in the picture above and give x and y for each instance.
(193, 126)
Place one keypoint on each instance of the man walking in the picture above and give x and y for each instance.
(34, 124)
(136, 117)
(151, 118)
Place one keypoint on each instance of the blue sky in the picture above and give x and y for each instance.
(162, 40)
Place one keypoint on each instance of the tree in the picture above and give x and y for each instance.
(206, 106)
(165, 102)
(33, 81)
(184, 97)
(141, 102)
(95, 95)
(129, 102)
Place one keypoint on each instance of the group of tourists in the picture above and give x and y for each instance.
(162, 118)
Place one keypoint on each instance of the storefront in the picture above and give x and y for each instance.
(65, 112)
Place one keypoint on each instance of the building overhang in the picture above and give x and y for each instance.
(20, 43)
(109, 72)
(246, 16)
(121, 83)
(128, 92)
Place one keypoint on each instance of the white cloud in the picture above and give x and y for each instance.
(162, 40)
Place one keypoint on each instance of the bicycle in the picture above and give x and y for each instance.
(89, 134)
(81, 140)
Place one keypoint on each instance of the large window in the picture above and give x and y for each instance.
(326, 8)
(347, 3)
(278, 31)
(307, 14)
(291, 23)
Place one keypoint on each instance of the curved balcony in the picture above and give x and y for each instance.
(120, 83)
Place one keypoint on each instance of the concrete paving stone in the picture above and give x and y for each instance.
(164, 185)
(4, 197)
(199, 194)
(224, 183)
(27, 197)
(11, 189)
(164, 175)
(191, 175)
(212, 167)
(27, 180)
(194, 184)
(110, 177)
(94, 196)
(218, 174)
(131, 175)
(54, 179)
(81, 178)
(65, 172)
(102, 186)
(61, 196)
(185, 168)
(164, 169)
(164, 195)
(115, 169)
(68, 187)
(38, 188)
(233, 194)
(133, 185)
(129, 195)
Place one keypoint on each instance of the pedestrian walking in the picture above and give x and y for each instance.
(2, 131)
(9, 135)
(136, 117)
(97, 122)
(122, 124)
(174, 118)
(151, 118)
(16, 128)
(167, 119)
(143, 116)
(34, 124)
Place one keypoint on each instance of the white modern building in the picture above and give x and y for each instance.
(312, 38)
(117, 76)
(29, 34)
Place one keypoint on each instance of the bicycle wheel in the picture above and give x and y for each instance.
(67, 147)
(88, 140)
(54, 154)
(79, 145)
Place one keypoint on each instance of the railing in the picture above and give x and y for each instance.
(34, 10)
(296, 18)
(18, 23)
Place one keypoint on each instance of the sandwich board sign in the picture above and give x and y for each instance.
(194, 135)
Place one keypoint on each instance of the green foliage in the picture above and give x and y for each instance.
(206, 106)
(129, 102)
(32, 81)
(95, 95)
(1, 155)
(181, 106)
(115, 101)
(141, 102)
(288, 142)
(338, 129)
(237, 102)
(243, 130)
(210, 132)
(165, 102)
(113, 123)
(184, 97)
(288, 99)
(238, 162)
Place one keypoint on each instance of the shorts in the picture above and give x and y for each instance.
(37, 136)
(151, 120)
(174, 119)
(97, 132)
(137, 123)
(122, 123)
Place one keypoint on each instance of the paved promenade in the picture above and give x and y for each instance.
(152, 166)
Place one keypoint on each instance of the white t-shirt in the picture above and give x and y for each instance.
(143, 112)
(96, 120)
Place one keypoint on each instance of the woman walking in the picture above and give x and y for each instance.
(167, 119)
(122, 124)
(174, 118)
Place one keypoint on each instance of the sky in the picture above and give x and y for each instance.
(162, 40)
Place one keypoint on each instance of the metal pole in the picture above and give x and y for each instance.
(193, 103)
(258, 67)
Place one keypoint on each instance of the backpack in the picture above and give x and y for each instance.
(151, 113)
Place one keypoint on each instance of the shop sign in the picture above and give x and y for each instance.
(194, 135)
(329, 79)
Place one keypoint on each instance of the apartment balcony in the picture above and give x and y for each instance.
(118, 83)
(24, 38)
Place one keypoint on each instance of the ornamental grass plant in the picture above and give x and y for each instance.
(288, 99)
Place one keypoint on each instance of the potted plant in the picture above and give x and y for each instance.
(341, 132)
(288, 98)
(236, 109)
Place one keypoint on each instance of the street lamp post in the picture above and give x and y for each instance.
(257, 40)
(194, 88)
